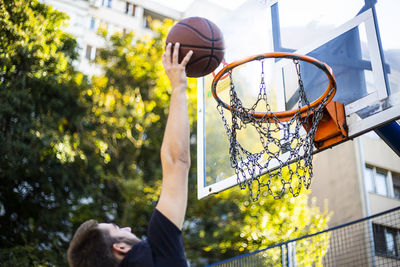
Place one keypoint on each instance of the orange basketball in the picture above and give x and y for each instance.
(204, 38)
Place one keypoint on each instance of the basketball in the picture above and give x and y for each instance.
(204, 38)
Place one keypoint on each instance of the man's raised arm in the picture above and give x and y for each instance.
(175, 151)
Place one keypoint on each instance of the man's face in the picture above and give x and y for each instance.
(120, 233)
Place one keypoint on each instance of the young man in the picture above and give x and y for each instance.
(105, 244)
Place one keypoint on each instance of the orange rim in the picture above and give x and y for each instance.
(282, 115)
(224, 63)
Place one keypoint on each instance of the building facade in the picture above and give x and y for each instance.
(86, 17)
(357, 179)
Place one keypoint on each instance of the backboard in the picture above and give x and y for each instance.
(358, 39)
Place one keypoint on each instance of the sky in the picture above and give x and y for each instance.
(332, 12)
(183, 4)
(335, 13)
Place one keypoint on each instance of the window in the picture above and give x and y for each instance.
(130, 9)
(376, 180)
(88, 54)
(382, 182)
(107, 3)
(396, 185)
(149, 16)
(91, 52)
(92, 23)
(146, 22)
(386, 241)
(369, 179)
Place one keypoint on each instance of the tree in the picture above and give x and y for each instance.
(40, 115)
(230, 224)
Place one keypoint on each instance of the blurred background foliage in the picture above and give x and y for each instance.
(75, 147)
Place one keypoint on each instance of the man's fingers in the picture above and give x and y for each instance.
(167, 54)
(175, 53)
(173, 59)
(186, 59)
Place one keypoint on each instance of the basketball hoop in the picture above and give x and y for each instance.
(286, 154)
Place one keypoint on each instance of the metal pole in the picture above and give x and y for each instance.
(287, 255)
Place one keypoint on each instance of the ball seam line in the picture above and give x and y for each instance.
(212, 46)
(199, 33)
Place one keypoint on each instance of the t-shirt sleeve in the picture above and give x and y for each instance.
(166, 241)
(138, 256)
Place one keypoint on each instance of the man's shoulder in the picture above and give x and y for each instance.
(139, 255)
(166, 241)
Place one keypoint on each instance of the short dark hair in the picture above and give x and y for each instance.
(90, 246)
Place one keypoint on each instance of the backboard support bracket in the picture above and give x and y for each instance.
(332, 127)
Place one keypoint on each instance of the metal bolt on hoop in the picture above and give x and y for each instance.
(285, 160)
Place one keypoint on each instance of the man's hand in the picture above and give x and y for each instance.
(175, 70)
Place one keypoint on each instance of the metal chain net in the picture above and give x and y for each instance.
(285, 161)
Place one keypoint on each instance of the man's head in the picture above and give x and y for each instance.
(100, 244)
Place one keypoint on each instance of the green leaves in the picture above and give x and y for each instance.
(230, 224)
(39, 118)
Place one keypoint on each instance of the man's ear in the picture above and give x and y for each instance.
(121, 248)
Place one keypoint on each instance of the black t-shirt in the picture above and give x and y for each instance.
(163, 247)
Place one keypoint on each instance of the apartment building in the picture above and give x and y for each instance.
(357, 179)
(86, 16)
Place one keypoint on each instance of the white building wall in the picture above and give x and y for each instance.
(206, 9)
(87, 16)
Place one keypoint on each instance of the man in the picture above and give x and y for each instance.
(105, 244)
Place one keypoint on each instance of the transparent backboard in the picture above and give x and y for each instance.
(358, 39)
